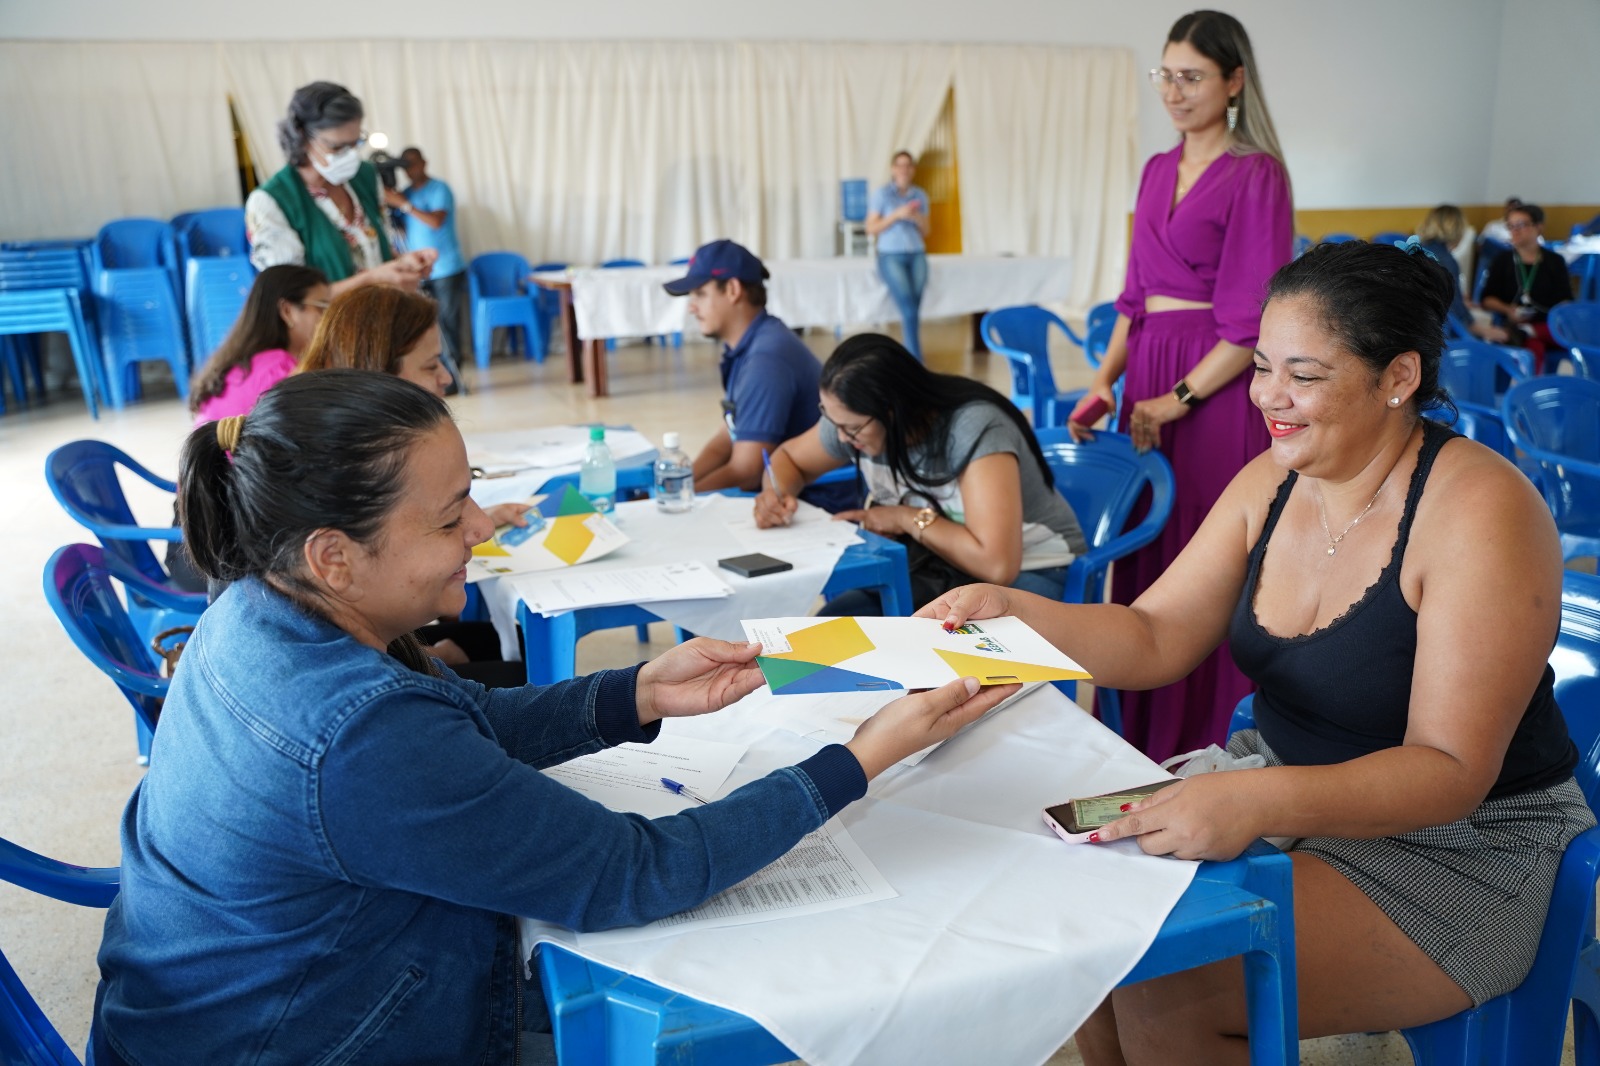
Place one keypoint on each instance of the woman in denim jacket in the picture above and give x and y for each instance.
(324, 862)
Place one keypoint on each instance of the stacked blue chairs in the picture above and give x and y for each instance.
(1555, 423)
(78, 586)
(1528, 1024)
(1104, 480)
(45, 290)
(1576, 327)
(1477, 374)
(1389, 236)
(625, 264)
(548, 303)
(1338, 238)
(27, 1038)
(83, 477)
(1022, 335)
(214, 295)
(133, 271)
(215, 234)
(498, 285)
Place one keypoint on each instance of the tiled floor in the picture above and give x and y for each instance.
(66, 735)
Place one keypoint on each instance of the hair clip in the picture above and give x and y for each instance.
(1412, 245)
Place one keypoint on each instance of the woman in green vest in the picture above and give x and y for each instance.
(323, 209)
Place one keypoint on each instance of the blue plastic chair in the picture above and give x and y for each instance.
(1390, 236)
(1555, 422)
(134, 275)
(217, 233)
(1338, 238)
(27, 1038)
(1103, 480)
(548, 302)
(39, 279)
(134, 244)
(1576, 327)
(498, 283)
(77, 585)
(214, 296)
(1098, 328)
(1488, 251)
(626, 264)
(853, 200)
(1528, 1025)
(1476, 374)
(83, 476)
(1022, 335)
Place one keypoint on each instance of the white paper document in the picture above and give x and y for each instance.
(810, 527)
(549, 446)
(628, 777)
(545, 544)
(570, 589)
(825, 871)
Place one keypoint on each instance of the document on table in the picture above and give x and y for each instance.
(825, 871)
(503, 453)
(560, 531)
(810, 527)
(628, 777)
(568, 590)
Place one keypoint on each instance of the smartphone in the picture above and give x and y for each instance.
(1078, 816)
(1091, 414)
(754, 565)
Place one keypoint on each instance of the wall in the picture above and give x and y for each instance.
(1378, 102)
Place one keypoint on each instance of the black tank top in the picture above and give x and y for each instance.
(1344, 691)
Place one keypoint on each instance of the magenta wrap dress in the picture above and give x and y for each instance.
(1219, 245)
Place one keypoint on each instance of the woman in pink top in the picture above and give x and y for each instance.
(265, 345)
(1213, 221)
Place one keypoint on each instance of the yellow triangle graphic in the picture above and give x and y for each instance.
(1005, 671)
(489, 549)
(828, 643)
(568, 538)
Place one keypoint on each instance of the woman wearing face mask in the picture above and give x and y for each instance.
(323, 209)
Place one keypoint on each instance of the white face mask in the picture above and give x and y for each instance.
(340, 167)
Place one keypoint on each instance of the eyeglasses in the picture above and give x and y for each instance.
(315, 305)
(335, 149)
(1187, 81)
(850, 432)
(1518, 227)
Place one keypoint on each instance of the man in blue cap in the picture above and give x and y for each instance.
(769, 378)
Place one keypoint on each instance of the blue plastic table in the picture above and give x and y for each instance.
(1244, 907)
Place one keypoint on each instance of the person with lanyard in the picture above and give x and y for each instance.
(769, 377)
(1525, 282)
(322, 209)
(898, 218)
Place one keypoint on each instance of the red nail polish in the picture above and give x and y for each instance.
(1094, 838)
(1126, 807)
(949, 627)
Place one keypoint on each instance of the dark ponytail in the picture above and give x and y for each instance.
(319, 451)
(1378, 301)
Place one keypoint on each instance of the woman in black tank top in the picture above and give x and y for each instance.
(1394, 591)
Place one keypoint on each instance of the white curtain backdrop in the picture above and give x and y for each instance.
(582, 152)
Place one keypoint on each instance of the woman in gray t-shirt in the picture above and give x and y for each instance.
(949, 466)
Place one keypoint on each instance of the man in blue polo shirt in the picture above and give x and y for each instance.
(430, 210)
(769, 377)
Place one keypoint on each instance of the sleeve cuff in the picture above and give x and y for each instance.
(616, 714)
(837, 775)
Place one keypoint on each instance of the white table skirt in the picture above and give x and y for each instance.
(1003, 938)
(630, 302)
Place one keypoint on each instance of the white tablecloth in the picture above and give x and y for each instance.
(629, 302)
(1003, 938)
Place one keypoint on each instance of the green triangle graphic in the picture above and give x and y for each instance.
(572, 502)
(779, 672)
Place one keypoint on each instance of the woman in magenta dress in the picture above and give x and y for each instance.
(1214, 220)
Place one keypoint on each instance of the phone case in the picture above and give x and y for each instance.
(1092, 413)
(754, 565)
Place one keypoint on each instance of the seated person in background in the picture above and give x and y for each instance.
(1495, 229)
(1441, 232)
(1394, 590)
(769, 376)
(950, 466)
(322, 209)
(385, 329)
(265, 345)
(1525, 282)
(327, 859)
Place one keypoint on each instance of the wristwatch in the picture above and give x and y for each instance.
(1185, 394)
(923, 519)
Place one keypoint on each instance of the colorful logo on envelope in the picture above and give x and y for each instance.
(568, 537)
(811, 664)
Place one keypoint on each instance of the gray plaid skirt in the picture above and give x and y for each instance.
(1471, 894)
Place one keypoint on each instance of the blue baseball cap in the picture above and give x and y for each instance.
(718, 261)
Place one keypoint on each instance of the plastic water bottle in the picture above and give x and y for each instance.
(674, 477)
(597, 479)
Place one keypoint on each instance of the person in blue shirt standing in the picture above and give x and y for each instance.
(898, 218)
(769, 377)
(430, 210)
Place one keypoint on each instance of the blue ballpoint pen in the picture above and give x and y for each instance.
(681, 789)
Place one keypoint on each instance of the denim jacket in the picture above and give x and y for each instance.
(322, 863)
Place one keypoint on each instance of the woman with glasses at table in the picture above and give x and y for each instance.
(327, 857)
(323, 209)
(1212, 222)
(1394, 590)
(950, 467)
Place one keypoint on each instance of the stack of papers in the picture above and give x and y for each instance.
(568, 590)
(561, 531)
(499, 454)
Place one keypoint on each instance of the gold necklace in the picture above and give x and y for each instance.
(1322, 513)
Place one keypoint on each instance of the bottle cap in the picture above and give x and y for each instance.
(669, 441)
(597, 432)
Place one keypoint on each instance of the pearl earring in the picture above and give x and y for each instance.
(1233, 114)
(1394, 401)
